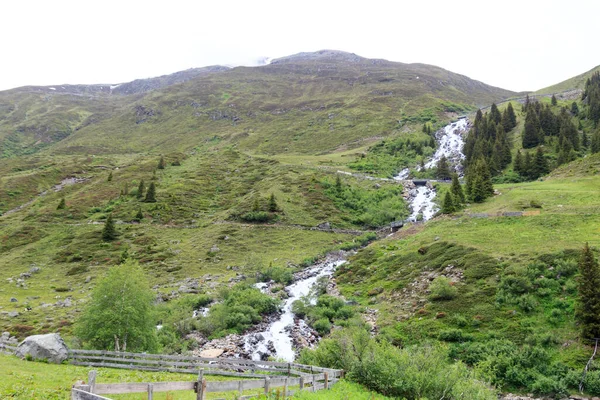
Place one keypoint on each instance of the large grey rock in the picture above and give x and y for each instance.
(48, 347)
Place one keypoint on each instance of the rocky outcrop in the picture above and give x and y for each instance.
(48, 347)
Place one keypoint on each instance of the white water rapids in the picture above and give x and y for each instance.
(257, 343)
(450, 144)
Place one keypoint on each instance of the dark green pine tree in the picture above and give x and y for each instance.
(109, 232)
(151, 194)
(495, 115)
(161, 163)
(140, 191)
(595, 143)
(532, 132)
(456, 189)
(527, 165)
(139, 215)
(338, 184)
(519, 166)
(442, 169)
(62, 205)
(109, 177)
(539, 164)
(588, 305)
(479, 182)
(585, 141)
(574, 109)
(553, 100)
(273, 207)
(448, 206)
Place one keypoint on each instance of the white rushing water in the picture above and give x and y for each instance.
(276, 331)
(450, 143)
(421, 199)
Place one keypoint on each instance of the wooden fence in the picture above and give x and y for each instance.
(284, 386)
(268, 376)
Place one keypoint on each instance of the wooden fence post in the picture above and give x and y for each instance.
(301, 383)
(289, 369)
(241, 387)
(150, 391)
(326, 380)
(285, 388)
(314, 383)
(92, 380)
(201, 385)
(267, 385)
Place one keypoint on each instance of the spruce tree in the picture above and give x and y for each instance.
(448, 204)
(495, 115)
(62, 205)
(595, 143)
(140, 191)
(553, 100)
(588, 305)
(151, 194)
(574, 109)
(539, 165)
(532, 132)
(456, 189)
(161, 163)
(273, 203)
(519, 166)
(109, 232)
(139, 215)
(443, 169)
(110, 176)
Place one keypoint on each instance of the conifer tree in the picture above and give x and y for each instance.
(585, 141)
(553, 100)
(140, 191)
(62, 205)
(595, 143)
(273, 203)
(539, 165)
(574, 109)
(161, 163)
(448, 204)
(519, 167)
(479, 182)
(110, 176)
(442, 168)
(255, 205)
(456, 189)
(126, 189)
(151, 194)
(109, 232)
(532, 132)
(495, 115)
(588, 305)
(139, 215)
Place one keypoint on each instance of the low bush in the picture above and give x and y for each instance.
(441, 289)
(412, 372)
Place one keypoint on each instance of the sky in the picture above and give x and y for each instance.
(517, 45)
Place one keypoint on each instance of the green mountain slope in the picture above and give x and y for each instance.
(309, 103)
(577, 82)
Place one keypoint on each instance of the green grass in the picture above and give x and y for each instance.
(29, 380)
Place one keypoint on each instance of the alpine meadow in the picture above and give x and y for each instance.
(430, 235)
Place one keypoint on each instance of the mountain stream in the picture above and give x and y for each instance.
(277, 339)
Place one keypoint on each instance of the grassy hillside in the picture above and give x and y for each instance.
(512, 278)
(307, 104)
(577, 82)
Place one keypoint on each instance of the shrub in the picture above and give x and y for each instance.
(323, 326)
(454, 335)
(413, 372)
(441, 289)
(278, 274)
(256, 216)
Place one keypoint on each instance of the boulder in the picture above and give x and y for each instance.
(48, 347)
(211, 353)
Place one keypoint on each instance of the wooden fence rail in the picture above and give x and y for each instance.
(187, 364)
(201, 386)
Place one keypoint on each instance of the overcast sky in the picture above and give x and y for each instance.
(513, 44)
